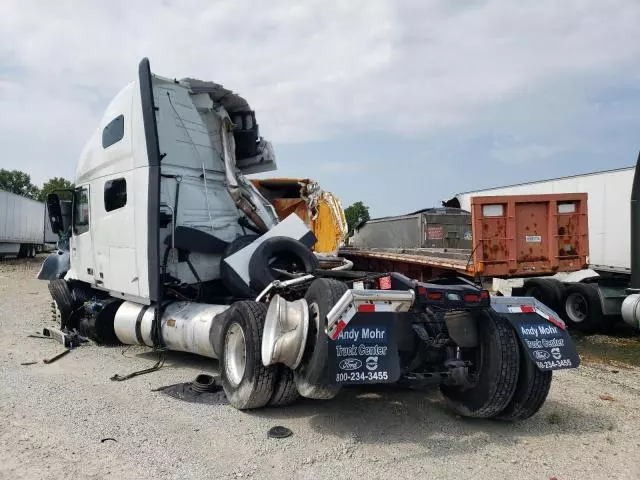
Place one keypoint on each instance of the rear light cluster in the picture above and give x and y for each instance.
(440, 296)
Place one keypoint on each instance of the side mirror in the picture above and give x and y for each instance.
(55, 213)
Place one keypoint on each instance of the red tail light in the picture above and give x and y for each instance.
(435, 296)
(367, 307)
(471, 298)
(422, 291)
(485, 294)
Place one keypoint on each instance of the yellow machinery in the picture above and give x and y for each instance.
(320, 210)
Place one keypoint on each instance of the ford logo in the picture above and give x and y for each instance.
(541, 354)
(350, 364)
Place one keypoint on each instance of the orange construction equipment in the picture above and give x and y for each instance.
(320, 210)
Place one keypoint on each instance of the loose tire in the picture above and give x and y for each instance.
(289, 250)
(285, 392)
(531, 391)
(246, 381)
(548, 291)
(494, 373)
(312, 376)
(62, 296)
(228, 276)
(583, 308)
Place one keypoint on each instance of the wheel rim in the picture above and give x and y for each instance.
(577, 307)
(235, 354)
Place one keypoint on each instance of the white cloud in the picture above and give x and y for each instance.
(312, 69)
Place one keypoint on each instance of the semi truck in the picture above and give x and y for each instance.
(597, 297)
(166, 243)
(24, 228)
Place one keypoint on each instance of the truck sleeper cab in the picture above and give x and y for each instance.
(171, 247)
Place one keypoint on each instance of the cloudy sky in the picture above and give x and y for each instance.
(397, 103)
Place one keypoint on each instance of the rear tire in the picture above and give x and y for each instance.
(531, 391)
(547, 290)
(495, 383)
(583, 308)
(312, 376)
(285, 392)
(246, 381)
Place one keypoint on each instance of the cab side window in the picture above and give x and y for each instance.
(115, 194)
(81, 211)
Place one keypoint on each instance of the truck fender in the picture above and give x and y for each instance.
(54, 266)
(542, 334)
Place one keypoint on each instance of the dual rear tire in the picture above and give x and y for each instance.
(504, 384)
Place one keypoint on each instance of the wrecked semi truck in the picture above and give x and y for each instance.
(165, 243)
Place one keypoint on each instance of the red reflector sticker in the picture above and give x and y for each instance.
(385, 283)
(367, 307)
(337, 329)
(527, 309)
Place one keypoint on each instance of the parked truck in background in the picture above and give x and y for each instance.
(594, 298)
(509, 236)
(171, 246)
(24, 227)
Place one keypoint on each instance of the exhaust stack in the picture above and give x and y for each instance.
(635, 229)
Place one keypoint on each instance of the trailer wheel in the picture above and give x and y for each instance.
(531, 391)
(62, 296)
(228, 276)
(548, 291)
(285, 392)
(583, 308)
(246, 381)
(312, 376)
(494, 372)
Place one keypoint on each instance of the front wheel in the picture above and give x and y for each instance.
(493, 374)
(246, 381)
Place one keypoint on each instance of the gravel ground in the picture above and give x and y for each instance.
(53, 418)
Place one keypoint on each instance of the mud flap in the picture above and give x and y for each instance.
(365, 351)
(543, 335)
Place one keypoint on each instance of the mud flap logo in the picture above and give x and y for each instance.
(555, 352)
(541, 354)
(349, 364)
(372, 363)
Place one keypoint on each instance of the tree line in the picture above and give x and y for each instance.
(18, 182)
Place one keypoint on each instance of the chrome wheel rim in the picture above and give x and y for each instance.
(235, 354)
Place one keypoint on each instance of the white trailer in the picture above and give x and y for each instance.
(24, 228)
(588, 299)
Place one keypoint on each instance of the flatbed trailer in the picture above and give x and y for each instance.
(419, 263)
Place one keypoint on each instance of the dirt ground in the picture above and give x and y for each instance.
(55, 419)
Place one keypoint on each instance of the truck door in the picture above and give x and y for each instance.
(80, 244)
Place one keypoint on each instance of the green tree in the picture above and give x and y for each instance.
(55, 183)
(355, 214)
(18, 182)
